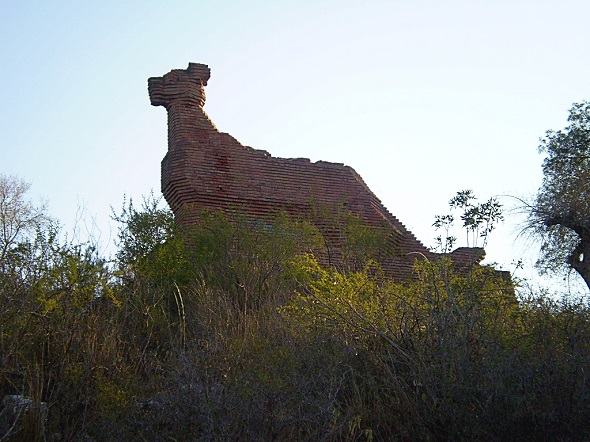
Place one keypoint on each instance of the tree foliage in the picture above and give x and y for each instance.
(19, 217)
(432, 344)
(560, 213)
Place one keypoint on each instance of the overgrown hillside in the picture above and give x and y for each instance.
(235, 331)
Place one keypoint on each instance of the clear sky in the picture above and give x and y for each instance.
(422, 97)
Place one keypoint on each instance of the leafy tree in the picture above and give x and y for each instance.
(431, 345)
(248, 257)
(26, 238)
(19, 217)
(50, 294)
(142, 231)
(560, 213)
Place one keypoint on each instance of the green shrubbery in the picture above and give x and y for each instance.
(234, 331)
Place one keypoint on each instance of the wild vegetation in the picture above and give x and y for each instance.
(235, 331)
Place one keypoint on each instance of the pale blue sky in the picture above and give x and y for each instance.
(422, 98)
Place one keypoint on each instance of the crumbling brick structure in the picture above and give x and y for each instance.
(208, 170)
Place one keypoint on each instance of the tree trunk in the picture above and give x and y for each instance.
(580, 260)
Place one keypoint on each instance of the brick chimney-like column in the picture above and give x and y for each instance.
(182, 93)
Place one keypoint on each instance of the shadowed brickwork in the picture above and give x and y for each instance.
(208, 170)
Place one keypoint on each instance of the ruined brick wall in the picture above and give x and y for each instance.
(205, 169)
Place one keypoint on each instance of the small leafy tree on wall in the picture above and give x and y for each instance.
(479, 220)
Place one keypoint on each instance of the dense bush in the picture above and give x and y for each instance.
(235, 331)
